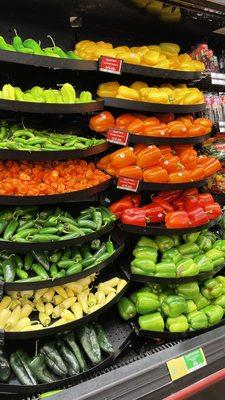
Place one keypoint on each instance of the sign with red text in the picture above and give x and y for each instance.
(110, 65)
(129, 184)
(117, 136)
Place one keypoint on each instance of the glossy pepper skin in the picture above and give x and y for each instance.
(171, 255)
(177, 324)
(134, 216)
(212, 288)
(187, 268)
(126, 308)
(214, 314)
(201, 302)
(220, 301)
(164, 242)
(177, 219)
(146, 253)
(147, 303)
(198, 320)
(204, 243)
(165, 269)
(203, 262)
(216, 257)
(146, 242)
(173, 306)
(142, 266)
(152, 322)
(188, 249)
(188, 290)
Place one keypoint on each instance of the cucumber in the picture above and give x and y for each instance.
(69, 339)
(103, 341)
(88, 340)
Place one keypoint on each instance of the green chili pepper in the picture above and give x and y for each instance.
(109, 247)
(45, 238)
(56, 257)
(9, 269)
(21, 274)
(95, 244)
(28, 261)
(97, 219)
(10, 230)
(40, 271)
(74, 269)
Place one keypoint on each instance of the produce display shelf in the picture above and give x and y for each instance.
(20, 285)
(164, 141)
(158, 229)
(74, 324)
(29, 246)
(44, 155)
(152, 107)
(79, 195)
(50, 108)
(119, 334)
(89, 65)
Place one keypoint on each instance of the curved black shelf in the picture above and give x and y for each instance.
(70, 325)
(161, 73)
(29, 246)
(174, 281)
(56, 198)
(171, 141)
(152, 107)
(170, 335)
(50, 108)
(119, 333)
(44, 155)
(162, 230)
(62, 281)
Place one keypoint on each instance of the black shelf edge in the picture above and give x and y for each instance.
(71, 278)
(50, 108)
(56, 198)
(24, 247)
(162, 230)
(152, 107)
(171, 141)
(161, 72)
(52, 155)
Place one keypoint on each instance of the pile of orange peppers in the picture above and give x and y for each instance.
(160, 125)
(44, 178)
(162, 164)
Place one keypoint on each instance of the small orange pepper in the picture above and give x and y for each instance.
(123, 157)
(132, 171)
(149, 157)
(180, 177)
(155, 175)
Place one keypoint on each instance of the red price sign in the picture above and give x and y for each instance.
(117, 136)
(110, 65)
(129, 184)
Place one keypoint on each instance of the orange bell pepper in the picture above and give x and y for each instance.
(179, 148)
(189, 158)
(155, 175)
(178, 129)
(111, 171)
(104, 161)
(186, 119)
(197, 130)
(139, 147)
(197, 174)
(172, 163)
(140, 116)
(124, 120)
(157, 131)
(207, 123)
(123, 157)
(180, 177)
(165, 150)
(165, 118)
(151, 121)
(132, 171)
(136, 126)
(212, 167)
(203, 160)
(102, 122)
(149, 157)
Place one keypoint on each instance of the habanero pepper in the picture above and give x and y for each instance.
(134, 216)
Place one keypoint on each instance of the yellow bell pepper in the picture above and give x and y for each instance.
(154, 7)
(199, 65)
(169, 14)
(167, 85)
(104, 44)
(104, 51)
(187, 66)
(151, 58)
(170, 49)
(138, 85)
(109, 89)
(166, 90)
(125, 92)
(121, 49)
(154, 95)
(128, 57)
(141, 51)
(193, 98)
(164, 64)
(140, 3)
(184, 58)
(154, 47)
(82, 44)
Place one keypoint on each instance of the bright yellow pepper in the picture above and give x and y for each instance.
(151, 58)
(109, 89)
(125, 92)
(138, 85)
(170, 49)
(128, 57)
(153, 95)
(154, 7)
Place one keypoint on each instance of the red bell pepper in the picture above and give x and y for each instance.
(134, 216)
(213, 210)
(190, 192)
(120, 205)
(205, 199)
(136, 199)
(190, 203)
(178, 204)
(154, 213)
(177, 219)
(163, 203)
(170, 195)
(198, 216)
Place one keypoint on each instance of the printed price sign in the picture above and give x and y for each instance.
(110, 65)
(129, 184)
(190, 362)
(117, 136)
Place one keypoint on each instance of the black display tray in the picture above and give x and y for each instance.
(86, 65)
(164, 141)
(10, 286)
(105, 275)
(152, 107)
(50, 108)
(118, 332)
(79, 195)
(158, 229)
(24, 247)
(170, 335)
(45, 155)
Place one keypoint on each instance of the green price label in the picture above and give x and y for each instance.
(195, 360)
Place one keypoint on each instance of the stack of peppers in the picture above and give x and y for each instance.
(183, 308)
(178, 256)
(178, 209)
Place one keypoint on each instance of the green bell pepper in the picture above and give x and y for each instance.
(188, 290)
(165, 270)
(147, 266)
(162, 297)
(174, 305)
(164, 242)
(171, 255)
(204, 243)
(155, 288)
(133, 296)
(145, 253)
(201, 302)
(219, 245)
(212, 236)
(126, 308)
(176, 240)
(212, 288)
(187, 268)
(198, 320)
(177, 324)
(191, 306)
(188, 249)
(221, 279)
(214, 314)
(191, 237)
(146, 242)
(147, 303)
(220, 301)
(204, 263)
(216, 257)
(152, 322)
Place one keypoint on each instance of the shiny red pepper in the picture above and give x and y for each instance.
(190, 192)
(134, 216)
(178, 204)
(198, 216)
(213, 210)
(136, 199)
(163, 203)
(154, 213)
(170, 195)
(205, 199)
(190, 202)
(120, 205)
(177, 219)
